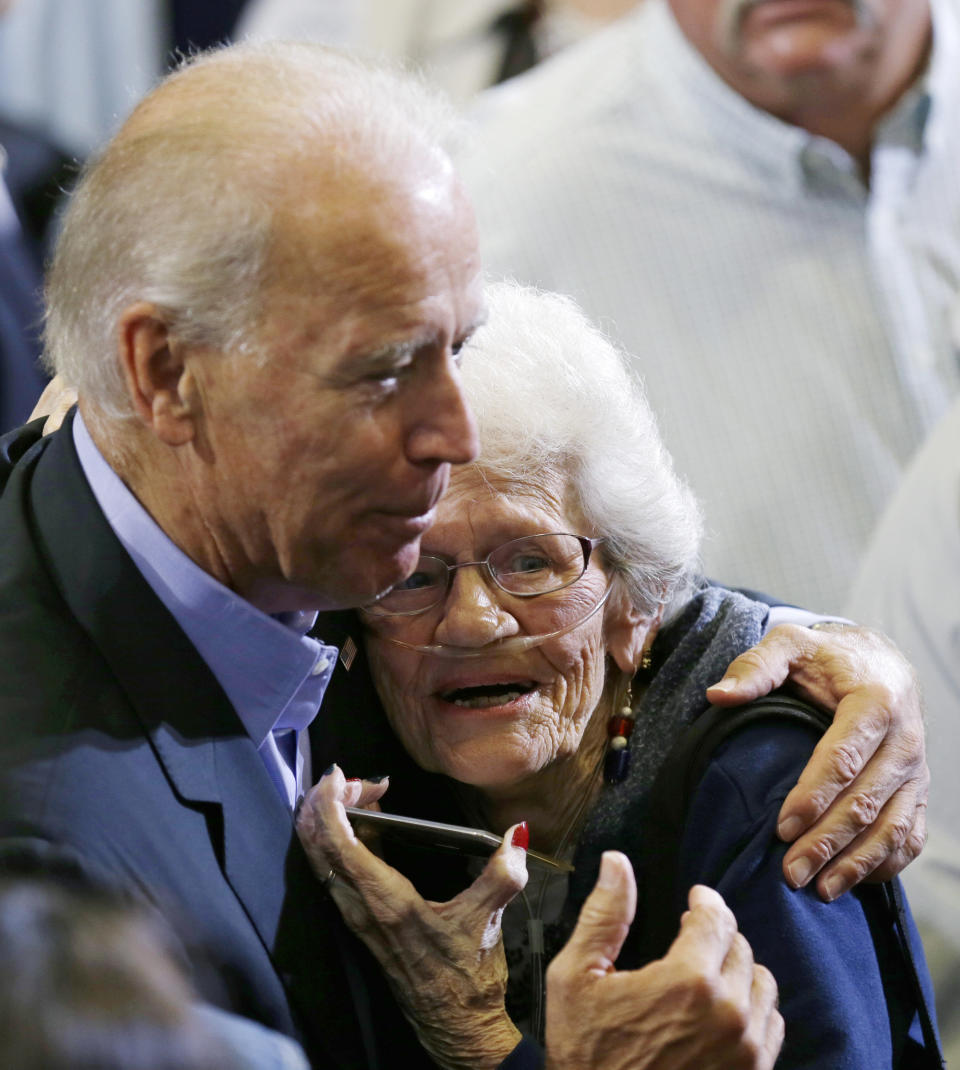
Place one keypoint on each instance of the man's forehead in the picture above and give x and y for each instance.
(376, 300)
(353, 213)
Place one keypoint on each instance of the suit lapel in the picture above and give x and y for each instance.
(200, 742)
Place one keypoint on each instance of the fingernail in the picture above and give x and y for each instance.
(799, 872)
(728, 683)
(329, 769)
(789, 829)
(354, 779)
(378, 779)
(832, 888)
(521, 836)
(607, 878)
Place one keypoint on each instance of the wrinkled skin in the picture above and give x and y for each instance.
(706, 1005)
(859, 810)
(444, 961)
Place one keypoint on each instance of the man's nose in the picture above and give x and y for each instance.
(442, 427)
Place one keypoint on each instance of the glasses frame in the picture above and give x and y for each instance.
(587, 546)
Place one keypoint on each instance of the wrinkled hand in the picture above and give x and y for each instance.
(704, 1006)
(444, 961)
(861, 801)
(55, 402)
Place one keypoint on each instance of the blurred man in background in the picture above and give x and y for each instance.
(759, 198)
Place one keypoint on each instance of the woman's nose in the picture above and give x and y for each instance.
(472, 613)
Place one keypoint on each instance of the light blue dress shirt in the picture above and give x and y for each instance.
(272, 672)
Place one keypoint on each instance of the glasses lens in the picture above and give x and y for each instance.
(537, 564)
(421, 590)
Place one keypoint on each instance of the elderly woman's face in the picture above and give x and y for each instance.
(495, 719)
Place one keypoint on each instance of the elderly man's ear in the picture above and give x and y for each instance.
(157, 373)
(629, 631)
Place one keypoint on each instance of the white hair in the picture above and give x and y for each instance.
(553, 394)
(178, 209)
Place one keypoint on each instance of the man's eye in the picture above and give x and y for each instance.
(389, 377)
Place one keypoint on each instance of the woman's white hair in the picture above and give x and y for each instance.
(178, 209)
(553, 394)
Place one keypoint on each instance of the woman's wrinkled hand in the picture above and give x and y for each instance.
(706, 1005)
(445, 961)
(858, 811)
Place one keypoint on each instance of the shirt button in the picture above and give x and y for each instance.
(322, 665)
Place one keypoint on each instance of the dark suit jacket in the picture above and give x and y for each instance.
(117, 743)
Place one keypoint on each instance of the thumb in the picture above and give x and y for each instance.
(604, 919)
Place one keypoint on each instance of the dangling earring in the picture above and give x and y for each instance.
(616, 764)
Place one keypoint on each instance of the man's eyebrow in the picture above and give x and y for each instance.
(477, 323)
(401, 351)
(386, 355)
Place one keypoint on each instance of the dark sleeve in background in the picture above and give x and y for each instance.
(21, 379)
(195, 26)
(36, 173)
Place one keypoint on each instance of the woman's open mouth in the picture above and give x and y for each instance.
(486, 696)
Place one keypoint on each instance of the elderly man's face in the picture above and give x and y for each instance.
(330, 453)
(770, 50)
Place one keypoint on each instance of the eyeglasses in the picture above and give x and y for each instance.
(525, 568)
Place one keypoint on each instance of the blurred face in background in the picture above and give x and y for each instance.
(786, 54)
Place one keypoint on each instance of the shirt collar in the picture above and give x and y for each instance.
(273, 673)
(787, 154)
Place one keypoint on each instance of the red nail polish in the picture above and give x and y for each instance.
(354, 779)
(521, 836)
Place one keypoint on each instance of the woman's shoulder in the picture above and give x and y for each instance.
(729, 833)
(752, 770)
(841, 991)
